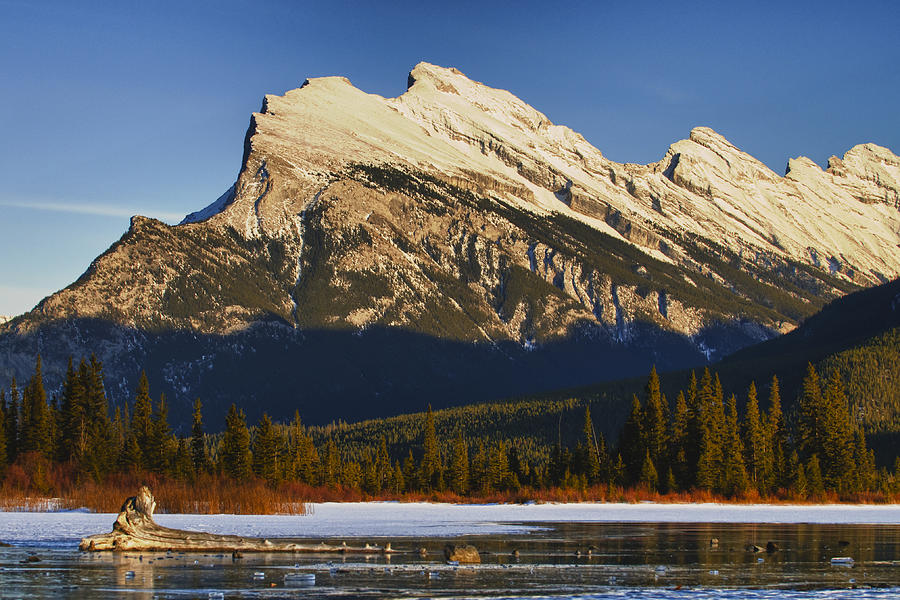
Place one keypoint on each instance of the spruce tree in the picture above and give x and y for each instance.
(758, 453)
(98, 457)
(498, 474)
(679, 443)
(183, 464)
(36, 433)
(265, 450)
(199, 461)
(236, 457)
(409, 471)
(383, 469)
(864, 459)
(711, 425)
(3, 433)
(141, 428)
(302, 452)
(836, 444)
(734, 470)
(73, 421)
(119, 431)
(811, 413)
(649, 476)
(430, 469)
(776, 437)
(459, 466)
(655, 420)
(330, 465)
(796, 476)
(478, 473)
(631, 443)
(815, 486)
(159, 454)
(594, 462)
(398, 482)
(12, 423)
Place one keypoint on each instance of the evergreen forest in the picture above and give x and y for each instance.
(701, 444)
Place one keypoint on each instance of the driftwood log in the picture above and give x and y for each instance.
(135, 529)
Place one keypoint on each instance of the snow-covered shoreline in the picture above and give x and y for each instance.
(394, 519)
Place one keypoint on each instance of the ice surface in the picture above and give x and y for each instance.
(394, 519)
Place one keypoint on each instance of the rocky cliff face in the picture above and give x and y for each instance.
(454, 224)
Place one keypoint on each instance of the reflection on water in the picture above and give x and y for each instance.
(594, 560)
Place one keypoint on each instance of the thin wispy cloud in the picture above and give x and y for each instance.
(100, 210)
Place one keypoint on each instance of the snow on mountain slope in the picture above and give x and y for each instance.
(467, 132)
(462, 228)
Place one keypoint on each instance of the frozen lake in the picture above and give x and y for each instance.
(563, 550)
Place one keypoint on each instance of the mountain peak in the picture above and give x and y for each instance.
(456, 216)
(442, 78)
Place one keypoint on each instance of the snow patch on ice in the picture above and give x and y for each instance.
(394, 519)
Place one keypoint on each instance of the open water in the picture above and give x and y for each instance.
(555, 560)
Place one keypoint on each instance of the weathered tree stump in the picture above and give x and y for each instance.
(135, 529)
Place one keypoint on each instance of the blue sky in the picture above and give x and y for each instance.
(112, 109)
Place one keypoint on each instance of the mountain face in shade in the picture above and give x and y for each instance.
(453, 245)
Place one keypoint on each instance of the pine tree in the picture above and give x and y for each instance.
(430, 470)
(265, 450)
(459, 466)
(236, 456)
(199, 461)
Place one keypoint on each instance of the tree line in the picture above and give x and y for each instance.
(700, 441)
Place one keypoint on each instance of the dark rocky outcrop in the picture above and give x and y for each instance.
(462, 553)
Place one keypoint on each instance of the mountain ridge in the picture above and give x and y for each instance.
(458, 212)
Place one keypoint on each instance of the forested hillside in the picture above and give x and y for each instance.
(698, 442)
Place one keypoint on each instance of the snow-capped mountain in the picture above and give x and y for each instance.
(454, 244)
